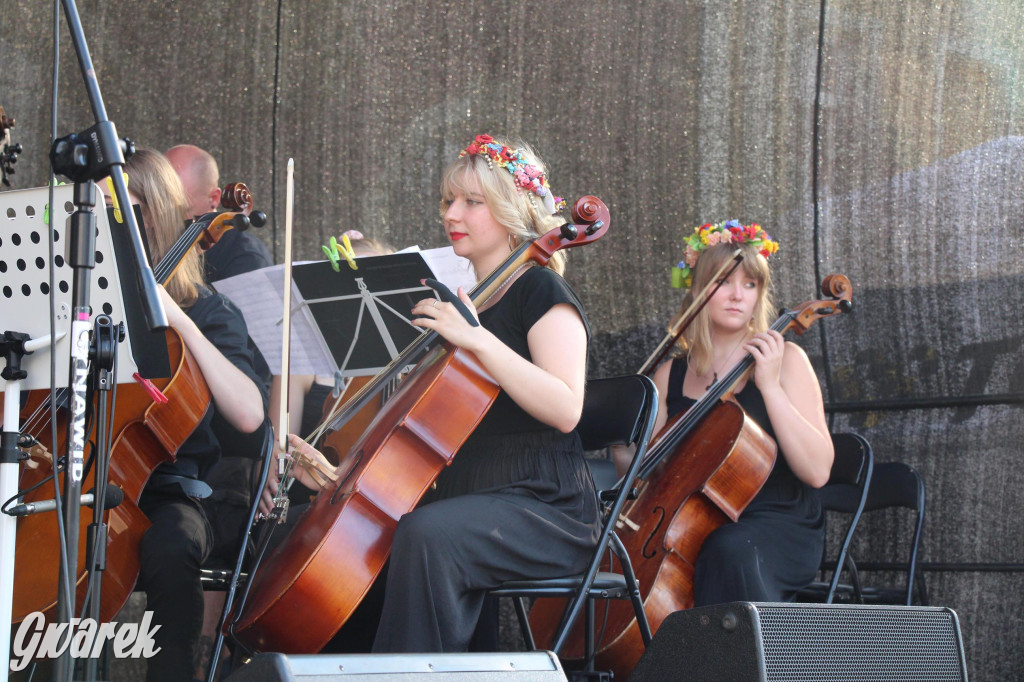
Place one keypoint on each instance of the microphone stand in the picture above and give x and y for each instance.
(84, 158)
(104, 352)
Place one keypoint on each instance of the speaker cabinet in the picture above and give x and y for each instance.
(748, 642)
(539, 666)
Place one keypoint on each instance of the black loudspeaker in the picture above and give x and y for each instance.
(539, 666)
(761, 642)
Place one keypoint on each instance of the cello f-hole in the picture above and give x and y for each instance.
(353, 464)
(646, 551)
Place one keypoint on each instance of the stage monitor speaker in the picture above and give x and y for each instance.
(762, 642)
(533, 666)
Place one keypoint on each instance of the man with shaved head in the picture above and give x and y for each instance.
(199, 174)
(237, 251)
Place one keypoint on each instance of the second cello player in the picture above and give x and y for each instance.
(774, 548)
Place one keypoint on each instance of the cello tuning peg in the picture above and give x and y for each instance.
(241, 222)
(258, 218)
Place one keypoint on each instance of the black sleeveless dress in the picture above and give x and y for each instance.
(775, 547)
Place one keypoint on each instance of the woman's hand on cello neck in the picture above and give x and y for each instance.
(449, 323)
(767, 348)
(792, 396)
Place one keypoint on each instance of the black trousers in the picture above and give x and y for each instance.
(447, 554)
(172, 552)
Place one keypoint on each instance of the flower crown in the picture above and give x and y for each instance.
(524, 174)
(728, 232)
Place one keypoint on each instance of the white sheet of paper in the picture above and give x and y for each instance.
(260, 297)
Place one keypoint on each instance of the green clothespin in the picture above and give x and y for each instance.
(46, 208)
(332, 254)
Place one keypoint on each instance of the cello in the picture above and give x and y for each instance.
(295, 602)
(150, 422)
(701, 472)
(334, 444)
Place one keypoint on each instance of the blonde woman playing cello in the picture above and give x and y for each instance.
(518, 500)
(182, 536)
(775, 547)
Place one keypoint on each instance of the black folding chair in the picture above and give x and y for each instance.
(895, 486)
(845, 494)
(619, 410)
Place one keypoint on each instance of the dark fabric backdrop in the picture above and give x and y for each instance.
(882, 140)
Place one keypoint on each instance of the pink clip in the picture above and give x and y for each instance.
(155, 393)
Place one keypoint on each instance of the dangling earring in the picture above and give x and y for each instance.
(511, 247)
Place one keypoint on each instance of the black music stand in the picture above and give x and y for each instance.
(349, 322)
(84, 157)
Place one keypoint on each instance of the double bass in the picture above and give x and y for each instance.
(309, 586)
(150, 421)
(701, 472)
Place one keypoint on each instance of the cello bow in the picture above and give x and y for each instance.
(677, 326)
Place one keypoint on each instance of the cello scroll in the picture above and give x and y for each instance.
(840, 293)
(237, 201)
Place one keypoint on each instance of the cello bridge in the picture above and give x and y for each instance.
(280, 511)
(624, 520)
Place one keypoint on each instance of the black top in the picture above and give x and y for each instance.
(527, 300)
(235, 253)
(313, 407)
(223, 325)
(510, 451)
(782, 483)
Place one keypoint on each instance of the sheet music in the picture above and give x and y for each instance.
(451, 270)
(260, 297)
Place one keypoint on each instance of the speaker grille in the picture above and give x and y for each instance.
(873, 644)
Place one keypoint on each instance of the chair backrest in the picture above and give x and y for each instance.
(895, 484)
(847, 491)
(613, 411)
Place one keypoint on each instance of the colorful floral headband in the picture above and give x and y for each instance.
(729, 232)
(524, 174)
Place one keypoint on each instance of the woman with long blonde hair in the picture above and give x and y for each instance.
(774, 548)
(517, 500)
(181, 536)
